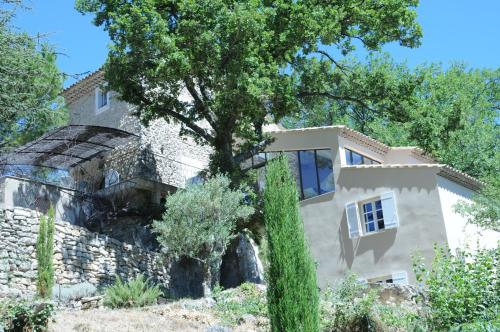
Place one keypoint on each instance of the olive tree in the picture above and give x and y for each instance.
(200, 221)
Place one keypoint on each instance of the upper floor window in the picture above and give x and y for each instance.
(371, 216)
(102, 100)
(313, 170)
(354, 158)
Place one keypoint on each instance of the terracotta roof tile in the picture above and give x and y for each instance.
(83, 87)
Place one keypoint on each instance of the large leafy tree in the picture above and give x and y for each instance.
(241, 63)
(30, 84)
(452, 114)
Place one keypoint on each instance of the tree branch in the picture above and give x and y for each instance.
(335, 97)
(190, 123)
(199, 103)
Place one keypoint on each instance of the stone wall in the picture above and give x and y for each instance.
(80, 255)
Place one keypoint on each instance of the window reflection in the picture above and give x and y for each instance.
(325, 171)
(309, 174)
(354, 158)
(312, 169)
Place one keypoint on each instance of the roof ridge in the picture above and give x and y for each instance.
(89, 75)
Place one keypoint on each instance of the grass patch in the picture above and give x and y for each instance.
(232, 305)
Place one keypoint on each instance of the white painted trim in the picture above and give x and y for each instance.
(98, 109)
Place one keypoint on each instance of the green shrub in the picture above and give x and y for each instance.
(491, 326)
(461, 288)
(353, 306)
(25, 317)
(232, 305)
(348, 307)
(135, 293)
(45, 254)
(200, 222)
(64, 294)
(292, 293)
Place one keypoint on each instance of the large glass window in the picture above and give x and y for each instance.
(308, 173)
(354, 158)
(325, 171)
(312, 169)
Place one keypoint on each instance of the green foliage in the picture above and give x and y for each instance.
(484, 210)
(29, 87)
(353, 306)
(490, 326)
(232, 305)
(349, 307)
(65, 294)
(24, 316)
(243, 63)
(292, 290)
(461, 288)
(135, 293)
(45, 254)
(200, 221)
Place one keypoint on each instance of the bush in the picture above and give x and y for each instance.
(292, 293)
(353, 306)
(135, 293)
(65, 294)
(461, 288)
(348, 307)
(25, 317)
(45, 254)
(200, 221)
(234, 304)
(492, 326)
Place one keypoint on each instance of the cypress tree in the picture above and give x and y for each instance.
(292, 292)
(45, 254)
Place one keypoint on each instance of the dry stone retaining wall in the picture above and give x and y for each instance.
(80, 255)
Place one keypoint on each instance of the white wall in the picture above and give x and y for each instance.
(458, 232)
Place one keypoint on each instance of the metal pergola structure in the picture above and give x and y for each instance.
(67, 147)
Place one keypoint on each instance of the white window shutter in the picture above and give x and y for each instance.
(351, 210)
(389, 210)
(400, 278)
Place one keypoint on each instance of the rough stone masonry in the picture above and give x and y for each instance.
(79, 255)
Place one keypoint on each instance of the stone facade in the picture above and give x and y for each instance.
(159, 154)
(80, 255)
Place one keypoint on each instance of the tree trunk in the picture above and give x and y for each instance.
(207, 280)
(223, 160)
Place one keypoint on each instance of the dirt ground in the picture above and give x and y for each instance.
(164, 318)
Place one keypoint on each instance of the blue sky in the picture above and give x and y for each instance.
(454, 30)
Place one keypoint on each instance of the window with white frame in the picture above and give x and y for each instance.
(371, 215)
(394, 278)
(101, 100)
